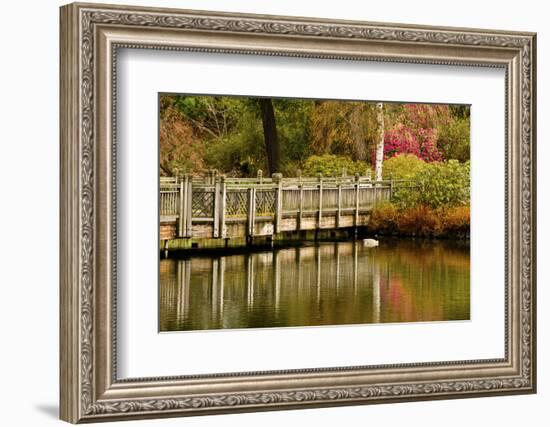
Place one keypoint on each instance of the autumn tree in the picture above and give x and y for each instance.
(344, 128)
(271, 141)
(181, 148)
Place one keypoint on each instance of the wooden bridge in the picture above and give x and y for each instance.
(217, 211)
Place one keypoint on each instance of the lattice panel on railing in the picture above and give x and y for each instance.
(265, 202)
(236, 204)
(203, 204)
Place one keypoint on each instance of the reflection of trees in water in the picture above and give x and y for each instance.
(327, 284)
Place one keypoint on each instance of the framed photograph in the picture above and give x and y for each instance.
(266, 212)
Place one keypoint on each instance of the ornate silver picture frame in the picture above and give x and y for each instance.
(91, 34)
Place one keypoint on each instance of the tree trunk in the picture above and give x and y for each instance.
(270, 135)
(166, 169)
(379, 141)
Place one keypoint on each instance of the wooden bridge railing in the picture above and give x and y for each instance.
(218, 200)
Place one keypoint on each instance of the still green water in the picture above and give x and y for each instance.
(318, 284)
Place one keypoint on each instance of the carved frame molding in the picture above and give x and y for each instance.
(90, 37)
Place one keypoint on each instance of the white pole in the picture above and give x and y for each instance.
(380, 140)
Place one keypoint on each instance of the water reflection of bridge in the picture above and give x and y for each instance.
(211, 211)
(294, 283)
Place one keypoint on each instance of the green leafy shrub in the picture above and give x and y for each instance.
(436, 185)
(454, 139)
(429, 199)
(331, 165)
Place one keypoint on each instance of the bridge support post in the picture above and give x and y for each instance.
(165, 248)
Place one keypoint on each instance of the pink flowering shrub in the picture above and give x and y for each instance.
(421, 143)
(416, 132)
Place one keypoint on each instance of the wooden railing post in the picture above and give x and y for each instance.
(216, 213)
(251, 212)
(391, 186)
(223, 191)
(301, 206)
(189, 208)
(338, 204)
(278, 180)
(356, 219)
(182, 225)
(320, 212)
(260, 176)
(212, 176)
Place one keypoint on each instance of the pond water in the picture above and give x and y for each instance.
(317, 284)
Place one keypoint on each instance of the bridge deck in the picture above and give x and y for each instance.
(219, 207)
